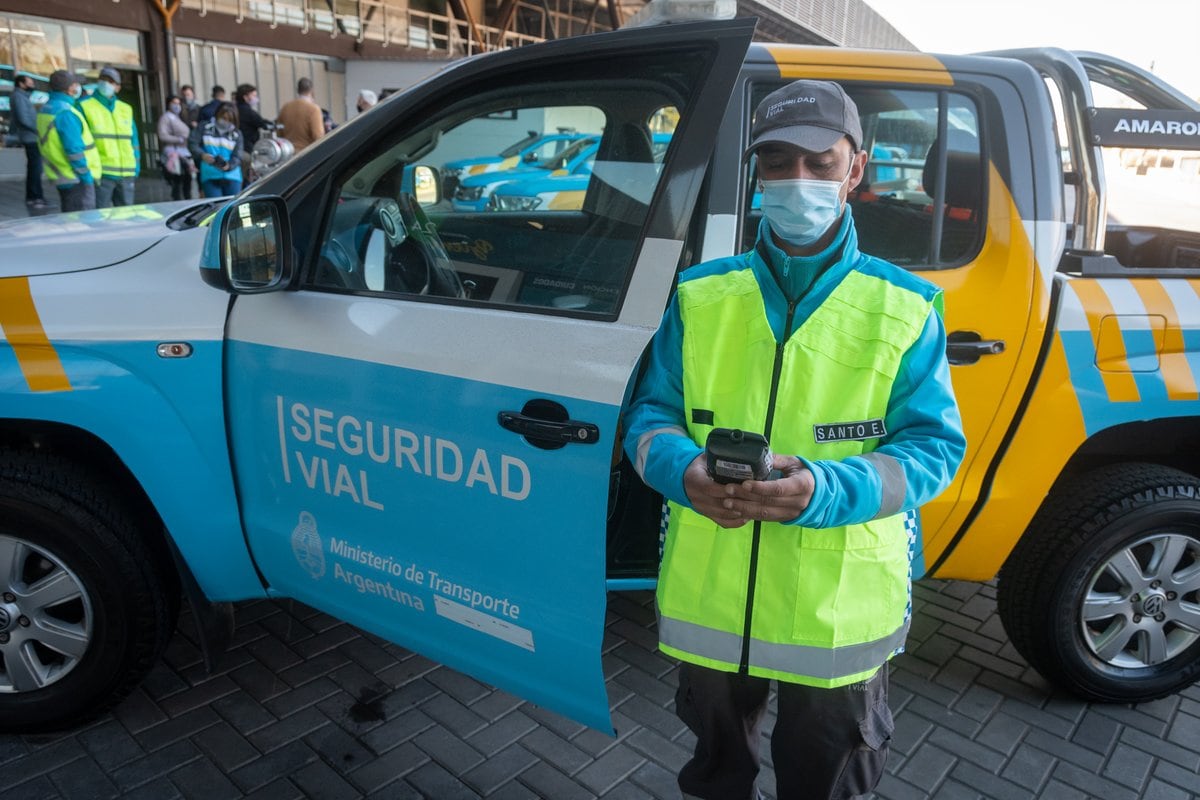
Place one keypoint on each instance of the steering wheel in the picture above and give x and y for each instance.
(409, 245)
(392, 259)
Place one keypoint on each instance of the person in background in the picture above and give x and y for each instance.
(327, 120)
(173, 135)
(69, 155)
(116, 134)
(366, 100)
(217, 147)
(191, 109)
(24, 117)
(300, 119)
(209, 109)
(250, 122)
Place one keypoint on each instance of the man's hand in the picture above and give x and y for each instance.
(732, 505)
(709, 497)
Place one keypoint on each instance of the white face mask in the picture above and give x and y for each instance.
(75, 92)
(801, 210)
(107, 89)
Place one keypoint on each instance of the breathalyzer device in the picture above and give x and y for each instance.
(734, 456)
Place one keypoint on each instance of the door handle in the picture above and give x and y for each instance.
(546, 424)
(967, 347)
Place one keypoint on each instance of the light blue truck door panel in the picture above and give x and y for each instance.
(378, 485)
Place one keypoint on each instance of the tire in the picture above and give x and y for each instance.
(1102, 594)
(86, 606)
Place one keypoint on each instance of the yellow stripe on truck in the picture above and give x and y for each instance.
(23, 329)
(833, 63)
(1176, 371)
(1111, 358)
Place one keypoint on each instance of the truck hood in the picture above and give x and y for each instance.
(83, 240)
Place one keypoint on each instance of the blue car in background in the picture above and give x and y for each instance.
(534, 147)
(561, 190)
(474, 191)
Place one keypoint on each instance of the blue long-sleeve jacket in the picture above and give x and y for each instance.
(924, 427)
(70, 133)
(24, 115)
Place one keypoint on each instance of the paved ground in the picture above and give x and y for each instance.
(308, 707)
(12, 191)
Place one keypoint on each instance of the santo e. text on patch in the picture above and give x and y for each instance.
(849, 431)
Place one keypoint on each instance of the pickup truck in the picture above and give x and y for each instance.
(338, 389)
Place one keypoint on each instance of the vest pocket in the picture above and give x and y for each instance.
(704, 573)
(852, 584)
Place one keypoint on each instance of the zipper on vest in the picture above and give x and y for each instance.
(776, 372)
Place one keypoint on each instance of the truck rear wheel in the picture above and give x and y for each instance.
(1102, 595)
(85, 607)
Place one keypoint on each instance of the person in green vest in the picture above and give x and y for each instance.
(116, 134)
(69, 156)
(839, 360)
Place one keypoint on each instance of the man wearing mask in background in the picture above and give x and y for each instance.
(116, 135)
(802, 577)
(250, 122)
(24, 117)
(69, 155)
(191, 109)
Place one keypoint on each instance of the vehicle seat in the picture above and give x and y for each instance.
(964, 192)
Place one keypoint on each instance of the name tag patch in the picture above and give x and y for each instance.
(849, 431)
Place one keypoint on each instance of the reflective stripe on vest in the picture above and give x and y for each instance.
(829, 606)
(113, 131)
(56, 164)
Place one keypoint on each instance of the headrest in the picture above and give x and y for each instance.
(964, 180)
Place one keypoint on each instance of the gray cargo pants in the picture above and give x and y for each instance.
(827, 743)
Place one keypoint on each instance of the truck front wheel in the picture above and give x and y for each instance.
(1102, 595)
(85, 607)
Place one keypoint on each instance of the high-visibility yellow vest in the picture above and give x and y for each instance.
(55, 164)
(113, 131)
(829, 606)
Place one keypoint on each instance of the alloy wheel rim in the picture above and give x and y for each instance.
(1142, 606)
(46, 617)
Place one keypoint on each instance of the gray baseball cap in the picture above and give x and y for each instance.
(61, 80)
(111, 74)
(811, 115)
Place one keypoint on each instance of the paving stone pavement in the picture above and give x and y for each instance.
(150, 189)
(305, 706)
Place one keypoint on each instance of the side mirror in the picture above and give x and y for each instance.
(530, 158)
(427, 186)
(256, 245)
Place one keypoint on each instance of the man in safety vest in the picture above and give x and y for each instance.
(839, 359)
(111, 121)
(69, 156)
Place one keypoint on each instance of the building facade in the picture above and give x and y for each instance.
(342, 45)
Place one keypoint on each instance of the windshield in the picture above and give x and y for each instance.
(517, 147)
(567, 154)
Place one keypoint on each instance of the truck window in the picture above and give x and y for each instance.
(553, 228)
(1148, 188)
(895, 206)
